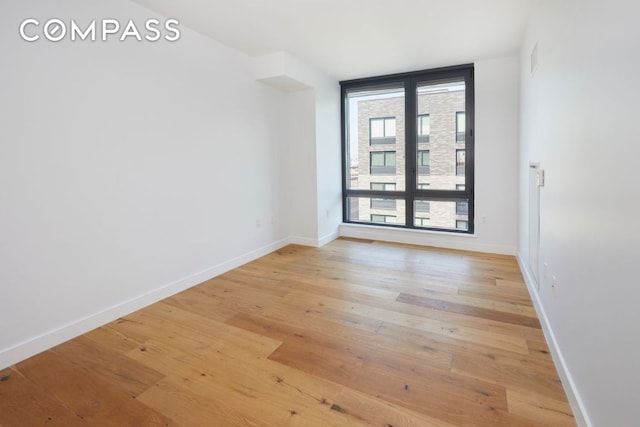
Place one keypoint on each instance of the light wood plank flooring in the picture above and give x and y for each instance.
(357, 333)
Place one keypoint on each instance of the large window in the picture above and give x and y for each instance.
(425, 179)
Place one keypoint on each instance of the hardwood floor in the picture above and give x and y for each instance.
(356, 333)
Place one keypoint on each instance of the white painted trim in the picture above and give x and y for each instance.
(33, 346)
(328, 238)
(576, 402)
(304, 241)
(314, 243)
(464, 242)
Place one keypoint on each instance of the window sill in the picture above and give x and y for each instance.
(415, 231)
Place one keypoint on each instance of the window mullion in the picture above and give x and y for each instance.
(410, 113)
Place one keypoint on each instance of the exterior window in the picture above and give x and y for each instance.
(423, 162)
(388, 219)
(382, 130)
(394, 173)
(460, 126)
(383, 163)
(383, 186)
(422, 222)
(424, 128)
(460, 162)
(462, 225)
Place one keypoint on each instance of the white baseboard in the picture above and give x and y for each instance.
(304, 241)
(315, 243)
(463, 242)
(33, 346)
(328, 238)
(577, 405)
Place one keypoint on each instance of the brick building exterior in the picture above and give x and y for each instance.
(440, 158)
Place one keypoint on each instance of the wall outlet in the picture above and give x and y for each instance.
(554, 281)
(258, 223)
(545, 270)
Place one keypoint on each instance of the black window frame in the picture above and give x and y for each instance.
(411, 193)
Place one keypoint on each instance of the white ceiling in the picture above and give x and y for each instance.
(360, 38)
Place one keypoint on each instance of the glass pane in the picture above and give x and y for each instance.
(390, 159)
(375, 120)
(423, 125)
(460, 123)
(390, 127)
(438, 214)
(377, 128)
(376, 210)
(440, 108)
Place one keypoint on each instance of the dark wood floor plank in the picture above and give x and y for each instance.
(467, 310)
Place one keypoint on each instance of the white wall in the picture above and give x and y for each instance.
(496, 152)
(312, 177)
(328, 155)
(128, 171)
(299, 180)
(578, 115)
